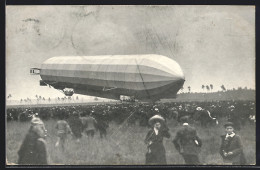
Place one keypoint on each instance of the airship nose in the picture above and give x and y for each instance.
(180, 76)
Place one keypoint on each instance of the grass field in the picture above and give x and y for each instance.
(124, 146)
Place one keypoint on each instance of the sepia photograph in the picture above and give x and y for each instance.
(130, 85)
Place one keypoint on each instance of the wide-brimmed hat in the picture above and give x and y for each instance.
(156, 118)
(232, 106)
(228, 124)
(198, 108)
(36, 121)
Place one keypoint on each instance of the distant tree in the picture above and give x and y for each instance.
(223, 87)
(203, 87)
(211, 86)
(77, 98)
(49, 99)
(96, 99)
(189, 88)
(245, 88)
(207, 87)
(43, 98)
(36, 96)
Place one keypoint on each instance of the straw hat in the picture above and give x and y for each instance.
(156, 118)
(198, 108)
(36, 121)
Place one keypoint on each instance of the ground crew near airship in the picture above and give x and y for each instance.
(33, 150)
(63, 129)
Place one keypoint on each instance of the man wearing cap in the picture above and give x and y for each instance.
(33, 150)
(187, 143)
(154, 139)
(231, 148)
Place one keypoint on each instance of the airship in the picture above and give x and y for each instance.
(148, 77)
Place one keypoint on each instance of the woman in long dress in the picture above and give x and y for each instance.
(33, 150)
(154, 139)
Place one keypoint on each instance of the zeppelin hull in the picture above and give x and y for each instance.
(142, 76)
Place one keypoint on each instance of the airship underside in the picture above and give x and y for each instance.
(142, 76)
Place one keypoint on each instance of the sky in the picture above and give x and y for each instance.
(212, 44)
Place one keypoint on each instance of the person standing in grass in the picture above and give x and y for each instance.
(33, 150)
(90, 124)
(156, 153)
(231, 148)
(76, 125)
(63, 129)
(187, 143)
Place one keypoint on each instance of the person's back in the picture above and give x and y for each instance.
(33, 149)
(90, 121)
(188, 144)
(74, 122)
(26, 152)
(63, 127)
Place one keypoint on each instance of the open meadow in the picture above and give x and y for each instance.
(124, 145)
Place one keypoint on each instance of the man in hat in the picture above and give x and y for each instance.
(33, 150)
(187, 143)
(154, 139)
(231, 148)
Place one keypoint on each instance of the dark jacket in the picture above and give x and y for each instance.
(76, 126)
(185, 141)
(33, 151)
(232, 144)
(156, 152)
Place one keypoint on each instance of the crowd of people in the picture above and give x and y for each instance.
(205, 113)
(78, 119)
